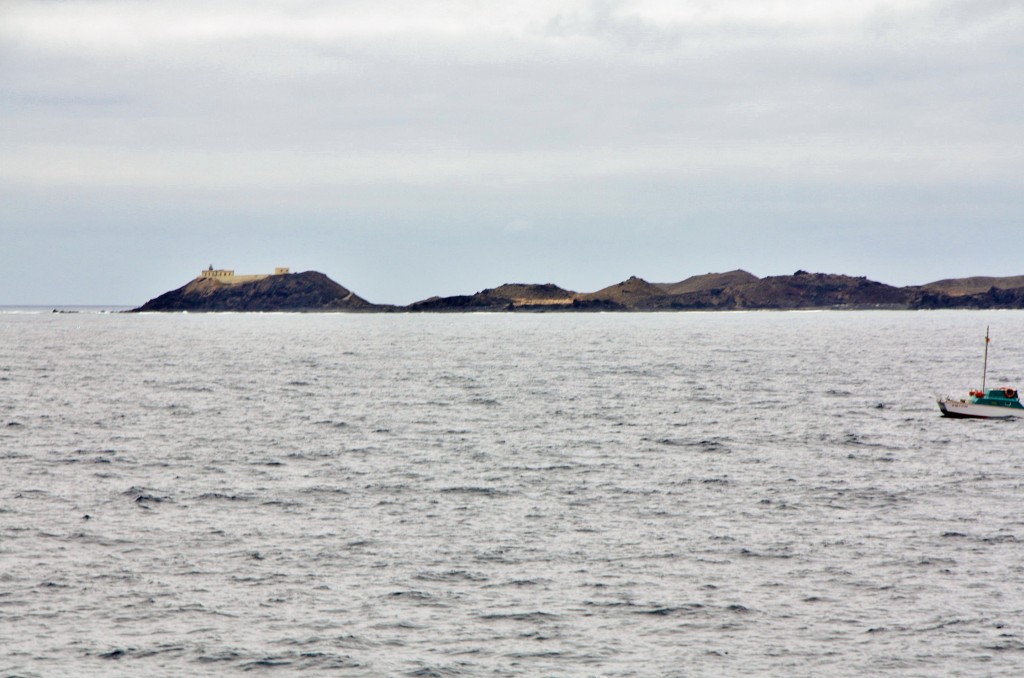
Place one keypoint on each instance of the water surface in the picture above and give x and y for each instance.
(457, 495)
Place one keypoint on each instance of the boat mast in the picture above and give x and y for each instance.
(984, 371)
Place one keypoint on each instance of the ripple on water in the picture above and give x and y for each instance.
(505, 495)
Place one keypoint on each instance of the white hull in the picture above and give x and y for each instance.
(952, 407)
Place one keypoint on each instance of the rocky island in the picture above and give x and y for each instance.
(312, 291)
(222, 290)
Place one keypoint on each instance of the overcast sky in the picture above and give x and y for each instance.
(408, 149)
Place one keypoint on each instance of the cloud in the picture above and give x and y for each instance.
(460, 78)
(579, 107)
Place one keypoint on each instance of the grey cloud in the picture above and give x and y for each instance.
(579, 117)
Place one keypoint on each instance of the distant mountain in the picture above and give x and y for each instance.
(308, 291)
(733, 290)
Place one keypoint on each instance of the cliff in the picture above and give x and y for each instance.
(308, 291)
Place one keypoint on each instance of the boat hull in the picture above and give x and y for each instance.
(965, 409)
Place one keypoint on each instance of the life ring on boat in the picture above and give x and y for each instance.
(1009, 393)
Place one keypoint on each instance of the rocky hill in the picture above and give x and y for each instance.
(811, 290)
(709, 282)
(741, 290)
(508, 297)
(631, 295)
(308, 291)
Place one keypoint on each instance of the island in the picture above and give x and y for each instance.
(219, 290)
(223, 290)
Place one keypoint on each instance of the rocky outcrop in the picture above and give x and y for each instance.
(961, 287)
(308, 291)
(993, 297)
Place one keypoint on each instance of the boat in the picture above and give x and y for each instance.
(995, 403)
(1002, 402)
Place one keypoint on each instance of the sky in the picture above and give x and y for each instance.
(411, 149)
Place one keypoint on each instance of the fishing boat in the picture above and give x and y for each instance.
(1002, 402)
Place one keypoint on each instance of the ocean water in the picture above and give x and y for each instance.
(679, 494)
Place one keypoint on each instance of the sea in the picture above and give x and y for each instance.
(548, 494)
